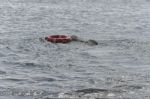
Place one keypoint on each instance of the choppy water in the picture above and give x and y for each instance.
(117, 68)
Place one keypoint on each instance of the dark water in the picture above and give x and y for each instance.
(117, 68)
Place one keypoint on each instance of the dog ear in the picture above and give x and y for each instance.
(46, 38)
(92, 42)
(74, 38)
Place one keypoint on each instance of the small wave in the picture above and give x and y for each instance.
(15, 79)
(92, 93)
(24, 64)
(2, 55)
(91, 90)
(11, 92)
(44, 79)
(19, 63)
(123, 43)
(130, 87)
(2, 72)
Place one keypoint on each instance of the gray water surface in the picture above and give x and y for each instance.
(117, 68)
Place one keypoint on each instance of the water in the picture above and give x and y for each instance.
(117, 68)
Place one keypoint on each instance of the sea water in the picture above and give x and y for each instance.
(116, 68)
